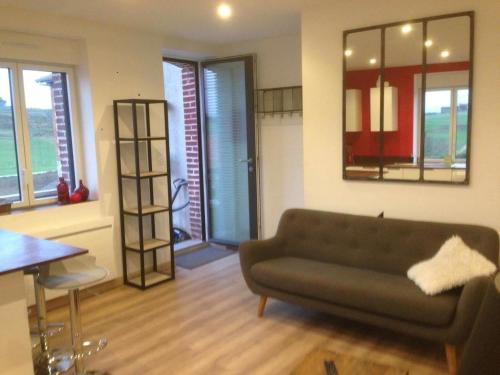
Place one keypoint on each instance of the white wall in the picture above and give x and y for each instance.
(111, 63)
(322, 78)
(278, 64)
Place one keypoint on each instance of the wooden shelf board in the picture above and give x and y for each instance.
(146, 210)
(150, 278)
(146, 174)
(132, 139)
(149, 244)
(139, 101)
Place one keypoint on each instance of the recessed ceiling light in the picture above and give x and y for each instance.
(224, 11)
(428, 43)
(373, 61)
(445, 53)
(406, 29)
(348, 52)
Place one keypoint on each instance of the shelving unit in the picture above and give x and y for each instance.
(143, 164)
(146, 174)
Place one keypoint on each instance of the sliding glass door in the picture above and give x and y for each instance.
(230, 149)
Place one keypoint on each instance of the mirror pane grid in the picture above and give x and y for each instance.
(426, 103)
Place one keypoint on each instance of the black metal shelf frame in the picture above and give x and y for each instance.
(144, 246)
(142, 139)
(143, 176)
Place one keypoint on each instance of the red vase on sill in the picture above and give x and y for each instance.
(76, 197)
(62, 191)
(83, 191)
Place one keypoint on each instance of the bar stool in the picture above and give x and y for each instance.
(45, 361)
(71, 275)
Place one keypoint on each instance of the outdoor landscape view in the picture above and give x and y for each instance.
(42, 138)
(439, 121)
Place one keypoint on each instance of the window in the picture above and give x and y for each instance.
(36, 144)
(446, 113)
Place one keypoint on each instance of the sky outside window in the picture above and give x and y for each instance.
(39, 95)
(5, 86)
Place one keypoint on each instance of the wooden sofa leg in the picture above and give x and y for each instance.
(262, 305)
(451, 358)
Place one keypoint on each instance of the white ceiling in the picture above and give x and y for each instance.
(189, 19)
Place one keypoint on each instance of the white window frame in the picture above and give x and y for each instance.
(452, 124)
(22, 128)
(452, 80)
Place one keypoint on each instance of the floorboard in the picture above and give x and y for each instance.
(206, 322)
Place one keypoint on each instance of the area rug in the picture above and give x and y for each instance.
(201, 257)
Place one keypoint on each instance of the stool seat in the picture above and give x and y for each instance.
(71, 273)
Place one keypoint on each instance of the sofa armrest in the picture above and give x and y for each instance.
(255, 251)
(468, 307)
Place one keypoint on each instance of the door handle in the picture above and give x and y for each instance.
(246, 160)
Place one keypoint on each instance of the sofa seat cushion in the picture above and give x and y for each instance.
(385, 294)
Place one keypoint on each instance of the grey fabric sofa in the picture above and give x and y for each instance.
(481, 354)
(355, 267)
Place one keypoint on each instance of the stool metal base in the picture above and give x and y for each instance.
(35, 341)
(81, 348)
(52, 329)
(91, 347)
(54, 363)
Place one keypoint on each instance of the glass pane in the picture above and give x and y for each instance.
(362, 105)
(9, 170)
(402, 74)
(180, 92)
(225, 105)
(447, 79)
(437, 124)
(462, 115)
(50, 139)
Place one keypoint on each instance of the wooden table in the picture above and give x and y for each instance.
(17, 253)
(313, 364)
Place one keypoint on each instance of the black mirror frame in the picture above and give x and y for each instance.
(382, 28)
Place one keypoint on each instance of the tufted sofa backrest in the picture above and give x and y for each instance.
(379, 244)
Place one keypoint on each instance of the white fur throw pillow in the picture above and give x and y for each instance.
(453, 265)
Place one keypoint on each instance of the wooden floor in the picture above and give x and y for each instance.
(205, 322)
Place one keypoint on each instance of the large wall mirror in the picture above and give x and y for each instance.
(407, 100)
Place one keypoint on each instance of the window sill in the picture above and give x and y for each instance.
(54, 221)
(47, 206)
(82, 226)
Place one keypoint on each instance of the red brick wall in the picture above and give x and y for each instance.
(192, 156)
(59, 118)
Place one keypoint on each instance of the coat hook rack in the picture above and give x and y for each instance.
(279, 101)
